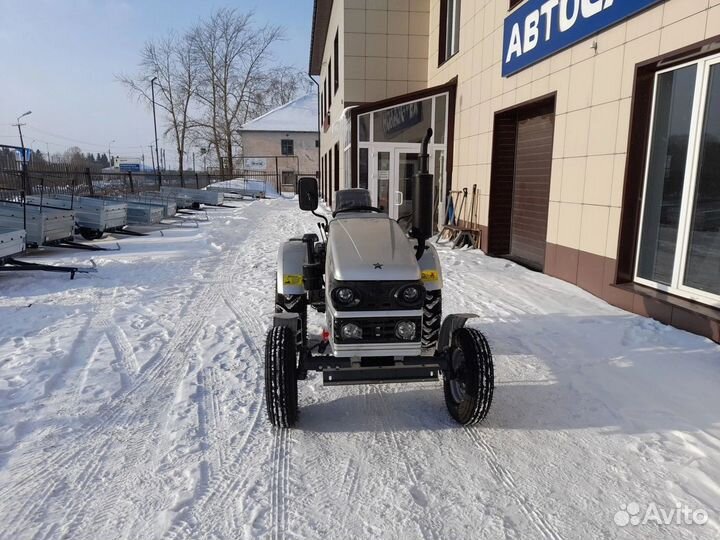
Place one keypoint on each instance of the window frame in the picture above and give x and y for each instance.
(687, 204)
(283, 144)
(446, 53)
(514, 4)
(336, 54)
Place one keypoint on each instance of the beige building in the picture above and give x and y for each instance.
(588, 128)
(284, 141)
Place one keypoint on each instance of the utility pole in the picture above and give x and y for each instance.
(22, 150)
(152, 157)
(47, 146)
(112, 161)
(193, 155)
(157, 155)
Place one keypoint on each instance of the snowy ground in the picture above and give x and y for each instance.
(131, 407)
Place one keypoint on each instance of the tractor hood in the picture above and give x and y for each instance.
(370, 249)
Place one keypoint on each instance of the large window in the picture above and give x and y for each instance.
(679, 245)
(449, 29)
(287, 147)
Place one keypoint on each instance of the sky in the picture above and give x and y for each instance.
(61, 59)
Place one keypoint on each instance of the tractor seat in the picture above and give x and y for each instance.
(352, 198)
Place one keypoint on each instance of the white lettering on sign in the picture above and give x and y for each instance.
(531, 31)
(568, 21)
(526, 40)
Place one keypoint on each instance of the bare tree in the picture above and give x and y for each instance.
(233, 56)
(171, 61)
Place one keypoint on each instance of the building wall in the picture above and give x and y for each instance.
(383, 46)
(594, 88)
(267, 143)
(386, 48)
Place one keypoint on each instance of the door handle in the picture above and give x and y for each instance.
(399, 198)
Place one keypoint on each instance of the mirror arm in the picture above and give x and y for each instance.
(327, 223)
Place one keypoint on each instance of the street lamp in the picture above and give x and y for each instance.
(157, 154)
(22, 150)
(19, 126)
(110, 152)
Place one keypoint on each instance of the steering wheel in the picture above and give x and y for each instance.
(358, 209)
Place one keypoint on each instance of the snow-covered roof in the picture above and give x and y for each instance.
(300, 115)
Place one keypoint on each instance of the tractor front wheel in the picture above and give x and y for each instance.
(281, 392)
(469, 380)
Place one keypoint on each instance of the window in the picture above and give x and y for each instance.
(287, 147)
(449, 30)
(514, 3)
(679, 244)
(329, 93)
(336, 166)
(317, 143)
(336, 73)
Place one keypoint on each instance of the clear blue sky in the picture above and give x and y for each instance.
(60, 58)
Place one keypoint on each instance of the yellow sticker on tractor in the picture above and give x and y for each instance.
(291, 279)
(430, 275)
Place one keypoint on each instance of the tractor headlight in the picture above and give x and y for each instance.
(409, 295)
(405, 330)
(345, 297)
(351, 331)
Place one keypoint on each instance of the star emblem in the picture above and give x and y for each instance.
(377, 266)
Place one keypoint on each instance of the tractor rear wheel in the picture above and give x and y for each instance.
(281, 392)
(469, 380)
(432, 318)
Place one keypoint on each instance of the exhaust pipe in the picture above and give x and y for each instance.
(422, 197)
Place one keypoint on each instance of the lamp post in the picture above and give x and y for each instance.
(157, 154)
(22, 150)
(110, 152)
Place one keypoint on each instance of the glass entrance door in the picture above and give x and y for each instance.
(406, 166)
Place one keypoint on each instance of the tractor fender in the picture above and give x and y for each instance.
(430, 268)
(449, 325)
(290, 261)
(291, 320)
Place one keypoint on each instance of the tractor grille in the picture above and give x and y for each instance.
(377, 330)
(376, 295)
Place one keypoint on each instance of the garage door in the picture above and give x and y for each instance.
(531, 187)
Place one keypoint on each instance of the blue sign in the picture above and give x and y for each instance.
(19, 154)
(130, 167)
(541, 28)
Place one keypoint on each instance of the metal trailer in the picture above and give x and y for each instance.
(244, 187)
(44, 226)
(182, 201)
(198, 196)
(12, 242)
(140, 213)
(169, 204)
(94, 217)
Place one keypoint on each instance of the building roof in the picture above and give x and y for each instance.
(299, 115)
(321, 19)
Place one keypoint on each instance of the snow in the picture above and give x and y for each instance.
(299, 115)
(131, 406)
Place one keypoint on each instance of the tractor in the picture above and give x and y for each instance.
(380, 289)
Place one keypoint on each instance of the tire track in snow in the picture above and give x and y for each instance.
(433, 528)
(115, 416)
(279, 489)
(232, 472)
(538, 519)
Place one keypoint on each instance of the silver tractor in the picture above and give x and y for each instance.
(380, 289)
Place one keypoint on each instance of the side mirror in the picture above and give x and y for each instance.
(308, 193)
